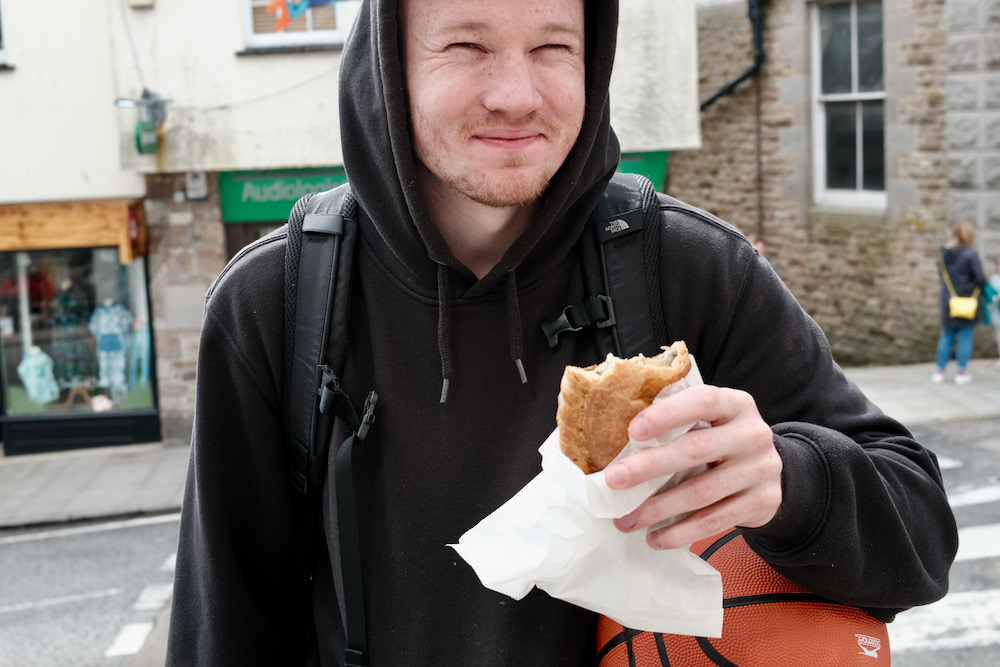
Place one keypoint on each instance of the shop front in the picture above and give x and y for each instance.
(77, 362)
(254, 203)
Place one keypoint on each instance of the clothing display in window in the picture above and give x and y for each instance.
(35, 371)
(139, 365)
(72, 352)
(111, 324)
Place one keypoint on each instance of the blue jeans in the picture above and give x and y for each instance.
(962, 351)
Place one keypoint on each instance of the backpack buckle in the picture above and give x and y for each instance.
(597, 311)
(368, 416)
(332, 397)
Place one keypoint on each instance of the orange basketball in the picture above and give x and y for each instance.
(767, 622)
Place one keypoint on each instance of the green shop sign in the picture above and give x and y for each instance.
(652, 165)
(260, 196)
(147, 141)
(263, 196)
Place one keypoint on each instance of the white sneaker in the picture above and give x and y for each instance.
(963, 378)
(937, 377)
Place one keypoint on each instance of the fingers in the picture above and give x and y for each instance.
(743, 494)
(741, 481)
(699, 403)
(717, 406)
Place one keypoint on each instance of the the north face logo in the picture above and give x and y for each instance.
(616, 226)
(869, 645)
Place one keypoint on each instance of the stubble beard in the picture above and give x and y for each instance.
(508, 188)
(504, 192)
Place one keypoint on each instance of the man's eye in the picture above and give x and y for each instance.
(464, 45)
(555, 47)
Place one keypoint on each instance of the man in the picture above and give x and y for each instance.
(477, 141)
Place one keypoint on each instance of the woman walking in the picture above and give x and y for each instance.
(959, 264)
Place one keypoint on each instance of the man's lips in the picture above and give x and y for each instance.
(514, 138)
(509, 134)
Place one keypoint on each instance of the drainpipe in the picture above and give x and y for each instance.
(756, 14)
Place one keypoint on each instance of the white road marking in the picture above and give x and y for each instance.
(154, 596)
(170, 564)
(960, 620)
(986, 494)
(54, 602)
(94, 528)
(947, 463)
(977, 542)
(129, 640)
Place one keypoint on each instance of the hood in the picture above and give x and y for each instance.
(379, 161)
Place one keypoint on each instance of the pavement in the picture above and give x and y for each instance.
(39, 490)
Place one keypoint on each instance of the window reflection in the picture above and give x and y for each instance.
(835, 41)
(841, 145)
(74, 332)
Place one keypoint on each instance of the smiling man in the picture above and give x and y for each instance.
(496, 101)
(477, 142)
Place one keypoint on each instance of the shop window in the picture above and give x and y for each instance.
(283, 23)
(239, 235)
(74, 333)
(849, 94)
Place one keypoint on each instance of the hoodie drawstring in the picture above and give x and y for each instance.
(514, 325)
(444, 328)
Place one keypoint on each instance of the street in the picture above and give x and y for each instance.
(84, 596)
(964, 627)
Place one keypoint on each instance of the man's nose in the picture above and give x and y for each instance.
(512, 85)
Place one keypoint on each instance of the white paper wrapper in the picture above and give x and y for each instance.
(557, 534)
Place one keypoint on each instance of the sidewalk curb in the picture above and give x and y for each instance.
(154, 651)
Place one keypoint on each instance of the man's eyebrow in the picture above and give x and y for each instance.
(566, 28)
(474, 26)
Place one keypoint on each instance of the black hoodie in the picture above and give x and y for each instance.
(864, 518)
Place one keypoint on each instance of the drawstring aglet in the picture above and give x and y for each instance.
(444, 390)
(520, 370)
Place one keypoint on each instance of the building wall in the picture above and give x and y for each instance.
(186, 253)
(59, 138)
(973, 132)
(868, 277)
(228, 111)
(224, 110)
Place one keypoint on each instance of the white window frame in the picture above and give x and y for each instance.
(824, 196)
(345, 10)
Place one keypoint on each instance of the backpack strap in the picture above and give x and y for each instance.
(621, 267)
(322, 233)
(322, 241)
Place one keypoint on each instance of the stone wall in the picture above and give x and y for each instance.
(867, 277)
(973, 133)
(186, 253)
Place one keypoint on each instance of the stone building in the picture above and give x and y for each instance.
(867, 130)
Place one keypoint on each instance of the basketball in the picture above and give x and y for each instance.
(767, 622)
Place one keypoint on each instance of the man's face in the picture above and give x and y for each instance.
(496, 94)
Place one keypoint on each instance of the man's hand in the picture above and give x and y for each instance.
(741, 486)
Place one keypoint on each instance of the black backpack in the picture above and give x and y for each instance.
(621, 263)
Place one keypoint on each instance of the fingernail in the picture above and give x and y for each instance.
(627, 522)
(640, 428)
(616, 475)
